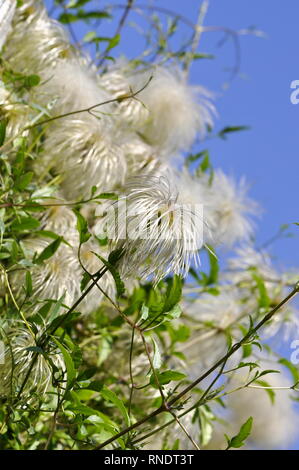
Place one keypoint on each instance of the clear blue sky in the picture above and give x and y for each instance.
(259, 97)
(267, 154)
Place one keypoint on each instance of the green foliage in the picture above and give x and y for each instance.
(82, 227)
(166, 377)
(109, 395)
(3, 125)
(49, 250)
(82, 15)
(120, 287)
(239, 440)
(81, 379)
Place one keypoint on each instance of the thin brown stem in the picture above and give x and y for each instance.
(91, 108)
(184, 430)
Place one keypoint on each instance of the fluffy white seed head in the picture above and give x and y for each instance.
(82, 147)
(7, 10)
(140, 157)
(212, 314)
(195, 190)
(158, 233)
(246, 258)
(230, 209)
(60, 219)
(15, 359)
(92, 264)
(245, 270)
(72, 85)
(247, 263)
(225, 205)
(58, 276)
(50, 41)
(29, 10)
(130, 113)
(84, 152)
(178, 112)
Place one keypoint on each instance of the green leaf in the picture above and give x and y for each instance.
(120, 287)
(157, 360)
(173, 294)
(264, 299)
(36, 349)
(258, 375)
(87, 373)
(82, 227)
(197, 156)
(174, 313)
(33, 207)
(95, 385)
(89, 37)
(23, 181)
(109, 395)
(205, 164)
(292, 368)
(238, 440)
(194, 274)
(230, 129)
(113, 42)
(28, 284)
(247, 350)
(47, 234)
(79, 407)
(176, 445)
(202, 55)
(69, 364)
(214, 267)
(3, 124)
(166, 377)
(49, 250)
(206, 427)
(270, 392)
(59, 320)
(66, 18)
(112, 196)
(144, 312)
(25, 223)
(85, 280)
(99, 14)
(31, 81)
(181, 334)
(115, 256)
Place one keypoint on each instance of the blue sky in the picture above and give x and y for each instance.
(260, 98)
